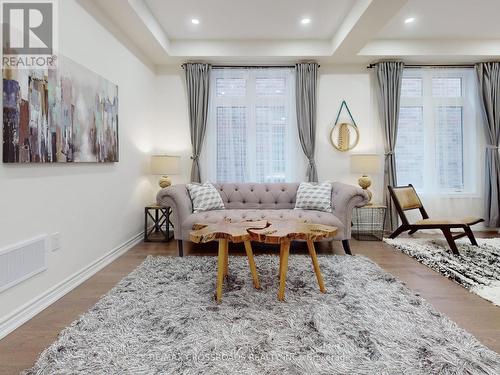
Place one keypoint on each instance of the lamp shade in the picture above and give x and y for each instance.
(165, 164)
(365, 163)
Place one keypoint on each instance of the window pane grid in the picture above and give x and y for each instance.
(447, 87)
(449, 147)
(270, 86)
(411, 87)
(253, 126)
(231, 144)
(228, 87)
(410, 147)
(436, 131)
(271, 133)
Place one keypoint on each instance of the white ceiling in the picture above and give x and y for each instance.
(160, 32)
(249, 19)
(445, 19)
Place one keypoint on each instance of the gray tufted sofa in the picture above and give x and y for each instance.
(248, 201)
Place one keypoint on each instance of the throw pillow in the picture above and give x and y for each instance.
(205, 197)
(314, 197)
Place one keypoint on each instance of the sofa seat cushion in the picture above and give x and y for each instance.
(215, 216)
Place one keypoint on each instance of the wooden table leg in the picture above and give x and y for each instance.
(251, 263)
(221, 260)
(281, 261)
(284, 251)
(226, 259)
(317, 271)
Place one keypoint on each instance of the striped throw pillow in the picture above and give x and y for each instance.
(205, 197)
(314, 197)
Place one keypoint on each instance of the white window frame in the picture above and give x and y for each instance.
(470, 143)
(250, 101)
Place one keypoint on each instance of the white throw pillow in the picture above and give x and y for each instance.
(205, 197)
(314, 197)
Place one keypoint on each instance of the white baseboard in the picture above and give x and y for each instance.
(41, 302)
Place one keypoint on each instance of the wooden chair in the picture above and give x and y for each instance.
(405, 198)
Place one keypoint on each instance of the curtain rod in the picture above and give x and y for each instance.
(431, 66)
(249, 66)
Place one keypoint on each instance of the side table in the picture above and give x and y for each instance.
(161, 223)
(368, 222)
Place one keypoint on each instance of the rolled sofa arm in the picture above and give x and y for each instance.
(176, 197)
(344, 198)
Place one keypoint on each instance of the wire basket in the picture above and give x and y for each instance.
(368, 223)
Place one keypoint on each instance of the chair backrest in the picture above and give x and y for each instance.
(406, 198)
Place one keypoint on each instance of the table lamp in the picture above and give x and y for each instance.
(365, 164)
(164, 165)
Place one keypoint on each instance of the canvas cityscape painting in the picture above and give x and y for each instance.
(68, 114)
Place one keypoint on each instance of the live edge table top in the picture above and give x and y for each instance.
(261, 231)
(225, 230)
(279, 231)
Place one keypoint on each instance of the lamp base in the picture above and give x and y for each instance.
(365, 182)
(370, 195)
(165, 181)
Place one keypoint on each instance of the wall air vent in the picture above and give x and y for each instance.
(22, 261)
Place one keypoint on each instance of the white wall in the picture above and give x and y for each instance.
(352, 84)
(94, 207)
(172, 123)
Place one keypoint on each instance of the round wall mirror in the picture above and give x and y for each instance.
(344, 136)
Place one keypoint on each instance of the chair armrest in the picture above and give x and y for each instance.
(344, 198)
(177, 198)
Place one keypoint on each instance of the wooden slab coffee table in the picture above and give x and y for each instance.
(225, 232)
(282, 233)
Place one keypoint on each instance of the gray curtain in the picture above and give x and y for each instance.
(197, 85)
(389, 75)
(306, 79)
(488, 75)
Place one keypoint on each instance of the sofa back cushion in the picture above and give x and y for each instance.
(258, 195)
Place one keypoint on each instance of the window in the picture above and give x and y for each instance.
(251, 130)
(436, 147)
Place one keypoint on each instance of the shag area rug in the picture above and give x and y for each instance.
(162, 319)
(476, 268)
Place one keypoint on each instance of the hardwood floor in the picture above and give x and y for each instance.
(20, 349)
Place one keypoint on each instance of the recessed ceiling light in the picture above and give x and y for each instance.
(410, 20)
(305, 21)
(195, 21)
